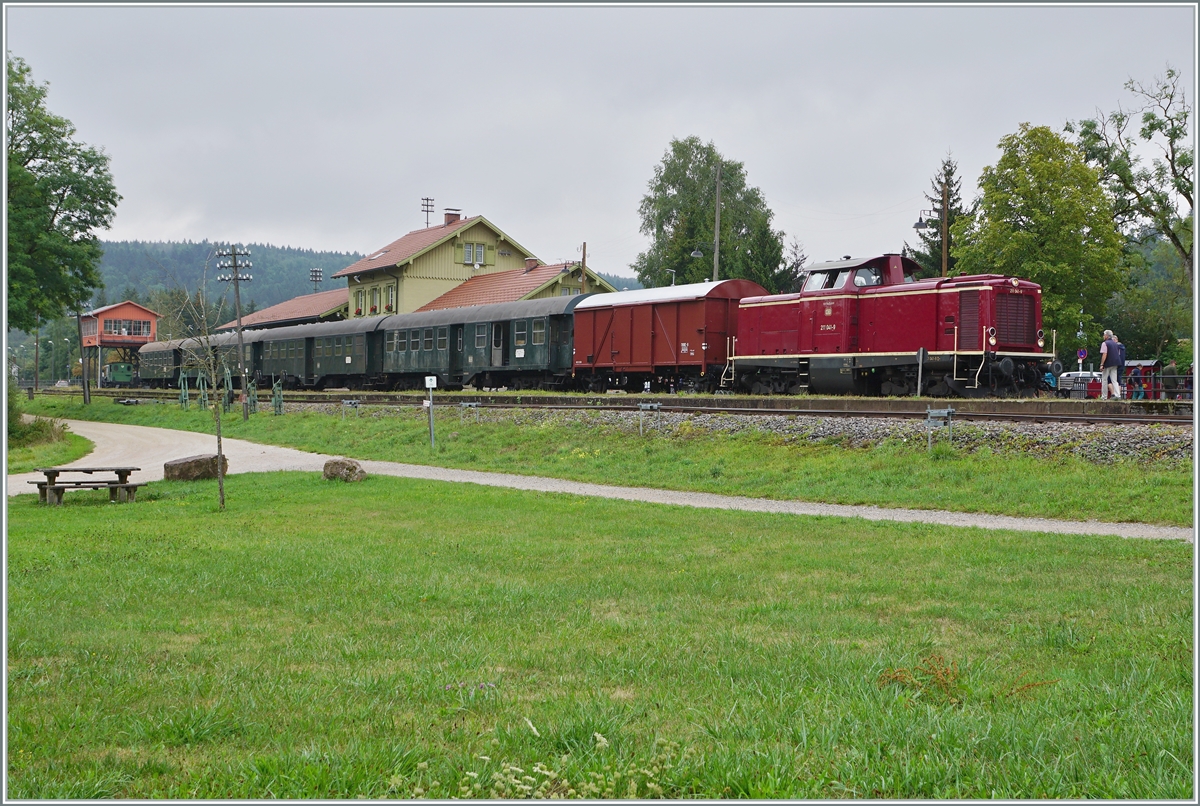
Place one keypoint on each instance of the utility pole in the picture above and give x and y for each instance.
(426, 208)
(945, 224)
(233, 253)
(583, 270)
(37, 341)
(717, 231)
(83, 363)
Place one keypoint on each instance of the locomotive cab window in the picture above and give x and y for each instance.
(866, 277)
(818, 280)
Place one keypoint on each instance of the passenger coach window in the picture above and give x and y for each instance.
(539, 331)
(389, 341)
(414, 341)
(428, 338)
(401, 340)
(358, 344)
(443, 338)
(480, 337)
(519, 333)
(337, 346)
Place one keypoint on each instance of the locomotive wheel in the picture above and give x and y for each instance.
(758, 389)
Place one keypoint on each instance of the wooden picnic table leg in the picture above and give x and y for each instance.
(132, 491)
(42, 493)
(56, 495)
(112, 493)
(122, 495)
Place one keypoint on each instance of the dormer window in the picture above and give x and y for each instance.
(473, 253)
(377, 255)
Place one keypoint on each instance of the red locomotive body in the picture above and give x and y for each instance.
(670, 335)
(866, 326)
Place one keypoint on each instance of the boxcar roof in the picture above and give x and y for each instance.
(732, 289)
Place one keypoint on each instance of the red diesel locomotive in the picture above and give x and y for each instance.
(868, 327)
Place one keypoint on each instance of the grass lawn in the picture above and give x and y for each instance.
(754, 464)
(48, 454)
(401, 638)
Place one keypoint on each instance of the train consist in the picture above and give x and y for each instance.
(858, 327)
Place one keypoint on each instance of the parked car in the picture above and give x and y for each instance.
(1079, 385)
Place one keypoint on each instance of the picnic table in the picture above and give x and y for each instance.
(120, 489)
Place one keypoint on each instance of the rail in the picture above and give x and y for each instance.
(1049, 410)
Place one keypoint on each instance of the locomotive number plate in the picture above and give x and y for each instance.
(828, 327)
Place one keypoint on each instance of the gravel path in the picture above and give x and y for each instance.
(149, 448)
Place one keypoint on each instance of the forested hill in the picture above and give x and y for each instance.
(138, 269)
(280, 272)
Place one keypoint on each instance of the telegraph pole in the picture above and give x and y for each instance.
(717, 231)
(945, 224)
(83, 361)
(426, 208)
(233, 253)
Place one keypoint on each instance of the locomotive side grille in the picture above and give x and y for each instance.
(1015, 323)
(968, 320)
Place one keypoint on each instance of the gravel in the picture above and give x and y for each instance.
(1100, 444)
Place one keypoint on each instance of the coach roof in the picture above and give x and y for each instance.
(731, 289)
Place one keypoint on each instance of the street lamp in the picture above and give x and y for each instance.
(314, 277)
(926, 219)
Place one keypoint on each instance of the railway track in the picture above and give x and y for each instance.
(1040, 410)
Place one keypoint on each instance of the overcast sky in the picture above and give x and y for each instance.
(323, 127)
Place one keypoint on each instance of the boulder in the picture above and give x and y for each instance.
(344, 469)
(192, 468)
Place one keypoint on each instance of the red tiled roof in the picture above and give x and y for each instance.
(86, 314)
(501, 286)
(309, 306)
(398, 251)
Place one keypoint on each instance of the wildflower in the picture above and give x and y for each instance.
(601, 742)
(532, 728)
(424, 765)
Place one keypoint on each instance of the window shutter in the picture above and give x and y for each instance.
(458, 254)
(491, 255)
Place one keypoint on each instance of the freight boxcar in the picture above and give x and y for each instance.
(675, 335)
(867, 326)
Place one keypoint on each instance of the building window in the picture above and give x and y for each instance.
(374, 300)
(443, 338)
(519, 330)
(473, 253)
(539, 331)
(480, 337)
(358, 301)
(391, 298)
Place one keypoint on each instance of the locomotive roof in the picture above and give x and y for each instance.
(732, 289)
(853, 263)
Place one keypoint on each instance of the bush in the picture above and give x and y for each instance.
(22, 434)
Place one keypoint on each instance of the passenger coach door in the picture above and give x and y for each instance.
(498, 329)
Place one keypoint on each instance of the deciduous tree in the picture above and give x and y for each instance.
(60, 192)
(1154, 199)
(1043, 216)
(678, 214)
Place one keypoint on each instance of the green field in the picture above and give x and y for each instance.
(48, 454)
(1021, 481)
(401, 638)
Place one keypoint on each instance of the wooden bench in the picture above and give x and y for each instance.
(120, 489)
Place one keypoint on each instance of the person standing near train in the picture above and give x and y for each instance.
(1108, 366)
(1120, 364)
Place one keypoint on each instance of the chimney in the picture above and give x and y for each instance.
(452, 215)
(531, 263)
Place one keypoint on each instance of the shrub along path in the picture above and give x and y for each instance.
(148, 448)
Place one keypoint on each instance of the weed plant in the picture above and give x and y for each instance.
(401, 638)
(749, 463)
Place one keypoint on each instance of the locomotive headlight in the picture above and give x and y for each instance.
(1041, 338)
(991, 331)
(1015, 282)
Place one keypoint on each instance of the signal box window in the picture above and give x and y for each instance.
(519, 330)
(539, 331)
(480, 337)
